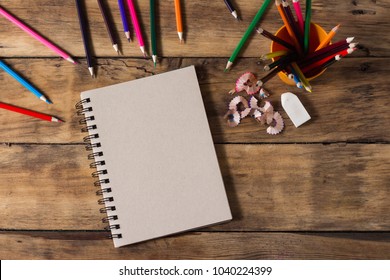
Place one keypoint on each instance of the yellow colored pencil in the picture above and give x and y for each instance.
(301, 77)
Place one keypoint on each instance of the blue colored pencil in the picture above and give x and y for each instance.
(23, 82)
(124, 19)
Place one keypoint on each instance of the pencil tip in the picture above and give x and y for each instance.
(71, 60)
(228, 65)
(115, 46)
(44, 99)
(91, 71)
(127, 34)
(180, 36)
(54, 119)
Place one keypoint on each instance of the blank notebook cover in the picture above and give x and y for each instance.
(155, 157)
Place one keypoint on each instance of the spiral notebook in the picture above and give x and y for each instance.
(154, 157)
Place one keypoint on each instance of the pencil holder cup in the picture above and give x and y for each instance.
(317, 34)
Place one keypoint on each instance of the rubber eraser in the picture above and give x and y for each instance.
(294, 109)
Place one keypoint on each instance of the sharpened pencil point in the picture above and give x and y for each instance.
(228, 65)
(115, 46)
(128, 36)
(54, 119)
(43, 98)
(154, 57)
(180, 36)
(71, 60)
(91, 71)
(143, 50)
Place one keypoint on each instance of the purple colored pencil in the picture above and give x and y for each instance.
(124, 19)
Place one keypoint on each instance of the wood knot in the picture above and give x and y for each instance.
(364, 67)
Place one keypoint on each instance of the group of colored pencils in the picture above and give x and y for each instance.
(23, 81)
(294, 59)
(136, 24)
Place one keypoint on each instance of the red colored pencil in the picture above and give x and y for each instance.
(324, 60)
(315, 68)
(29, 113)
(328, 48)
(323, 55)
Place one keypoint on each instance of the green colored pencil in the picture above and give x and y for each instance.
(247, 33)
(307, 27)
(153, 30)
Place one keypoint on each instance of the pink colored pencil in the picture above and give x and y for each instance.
(298, 12)
(35, 35)
(136, 25)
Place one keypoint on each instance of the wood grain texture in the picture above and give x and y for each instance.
(208, 24)
(280, 246)
(315, 192)
(270, 187)
(349, 102)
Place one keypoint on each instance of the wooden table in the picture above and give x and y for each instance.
(320, 191)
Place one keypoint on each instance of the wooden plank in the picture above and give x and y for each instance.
(352, 107)
(270, 187)
(281, 246)
(210, 31)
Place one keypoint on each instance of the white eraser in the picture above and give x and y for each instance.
(294, 109)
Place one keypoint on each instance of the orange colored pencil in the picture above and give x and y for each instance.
(288, 26)
(179, 22)
(328, 37)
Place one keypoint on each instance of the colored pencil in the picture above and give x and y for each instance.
(298, 13)
(153, 30)
(291, 20)
(321, 62)
(85, 35)
(248, 32)
(125, 24)
(294, 76)
(232, 10)
(23, 82)
(288, 26)
(273, 54)
(274, 38)
(306, 36)
(322, 53)
(281, 61)
(108, 25)
(301, 77)
(328, 37)
(137, 27)
(330, 47)
(29, 112)
(329, 62)
(35, 35)
(272, 73)
(179, 21)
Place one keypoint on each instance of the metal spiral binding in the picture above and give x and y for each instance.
(82, 108)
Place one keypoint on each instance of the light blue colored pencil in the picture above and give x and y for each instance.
(23, 82)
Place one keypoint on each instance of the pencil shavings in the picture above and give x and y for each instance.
(264, 115)
(253, 103)
(235, 104)
(246, 82)
(276, 125)
(263, 94)
(233, 118)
